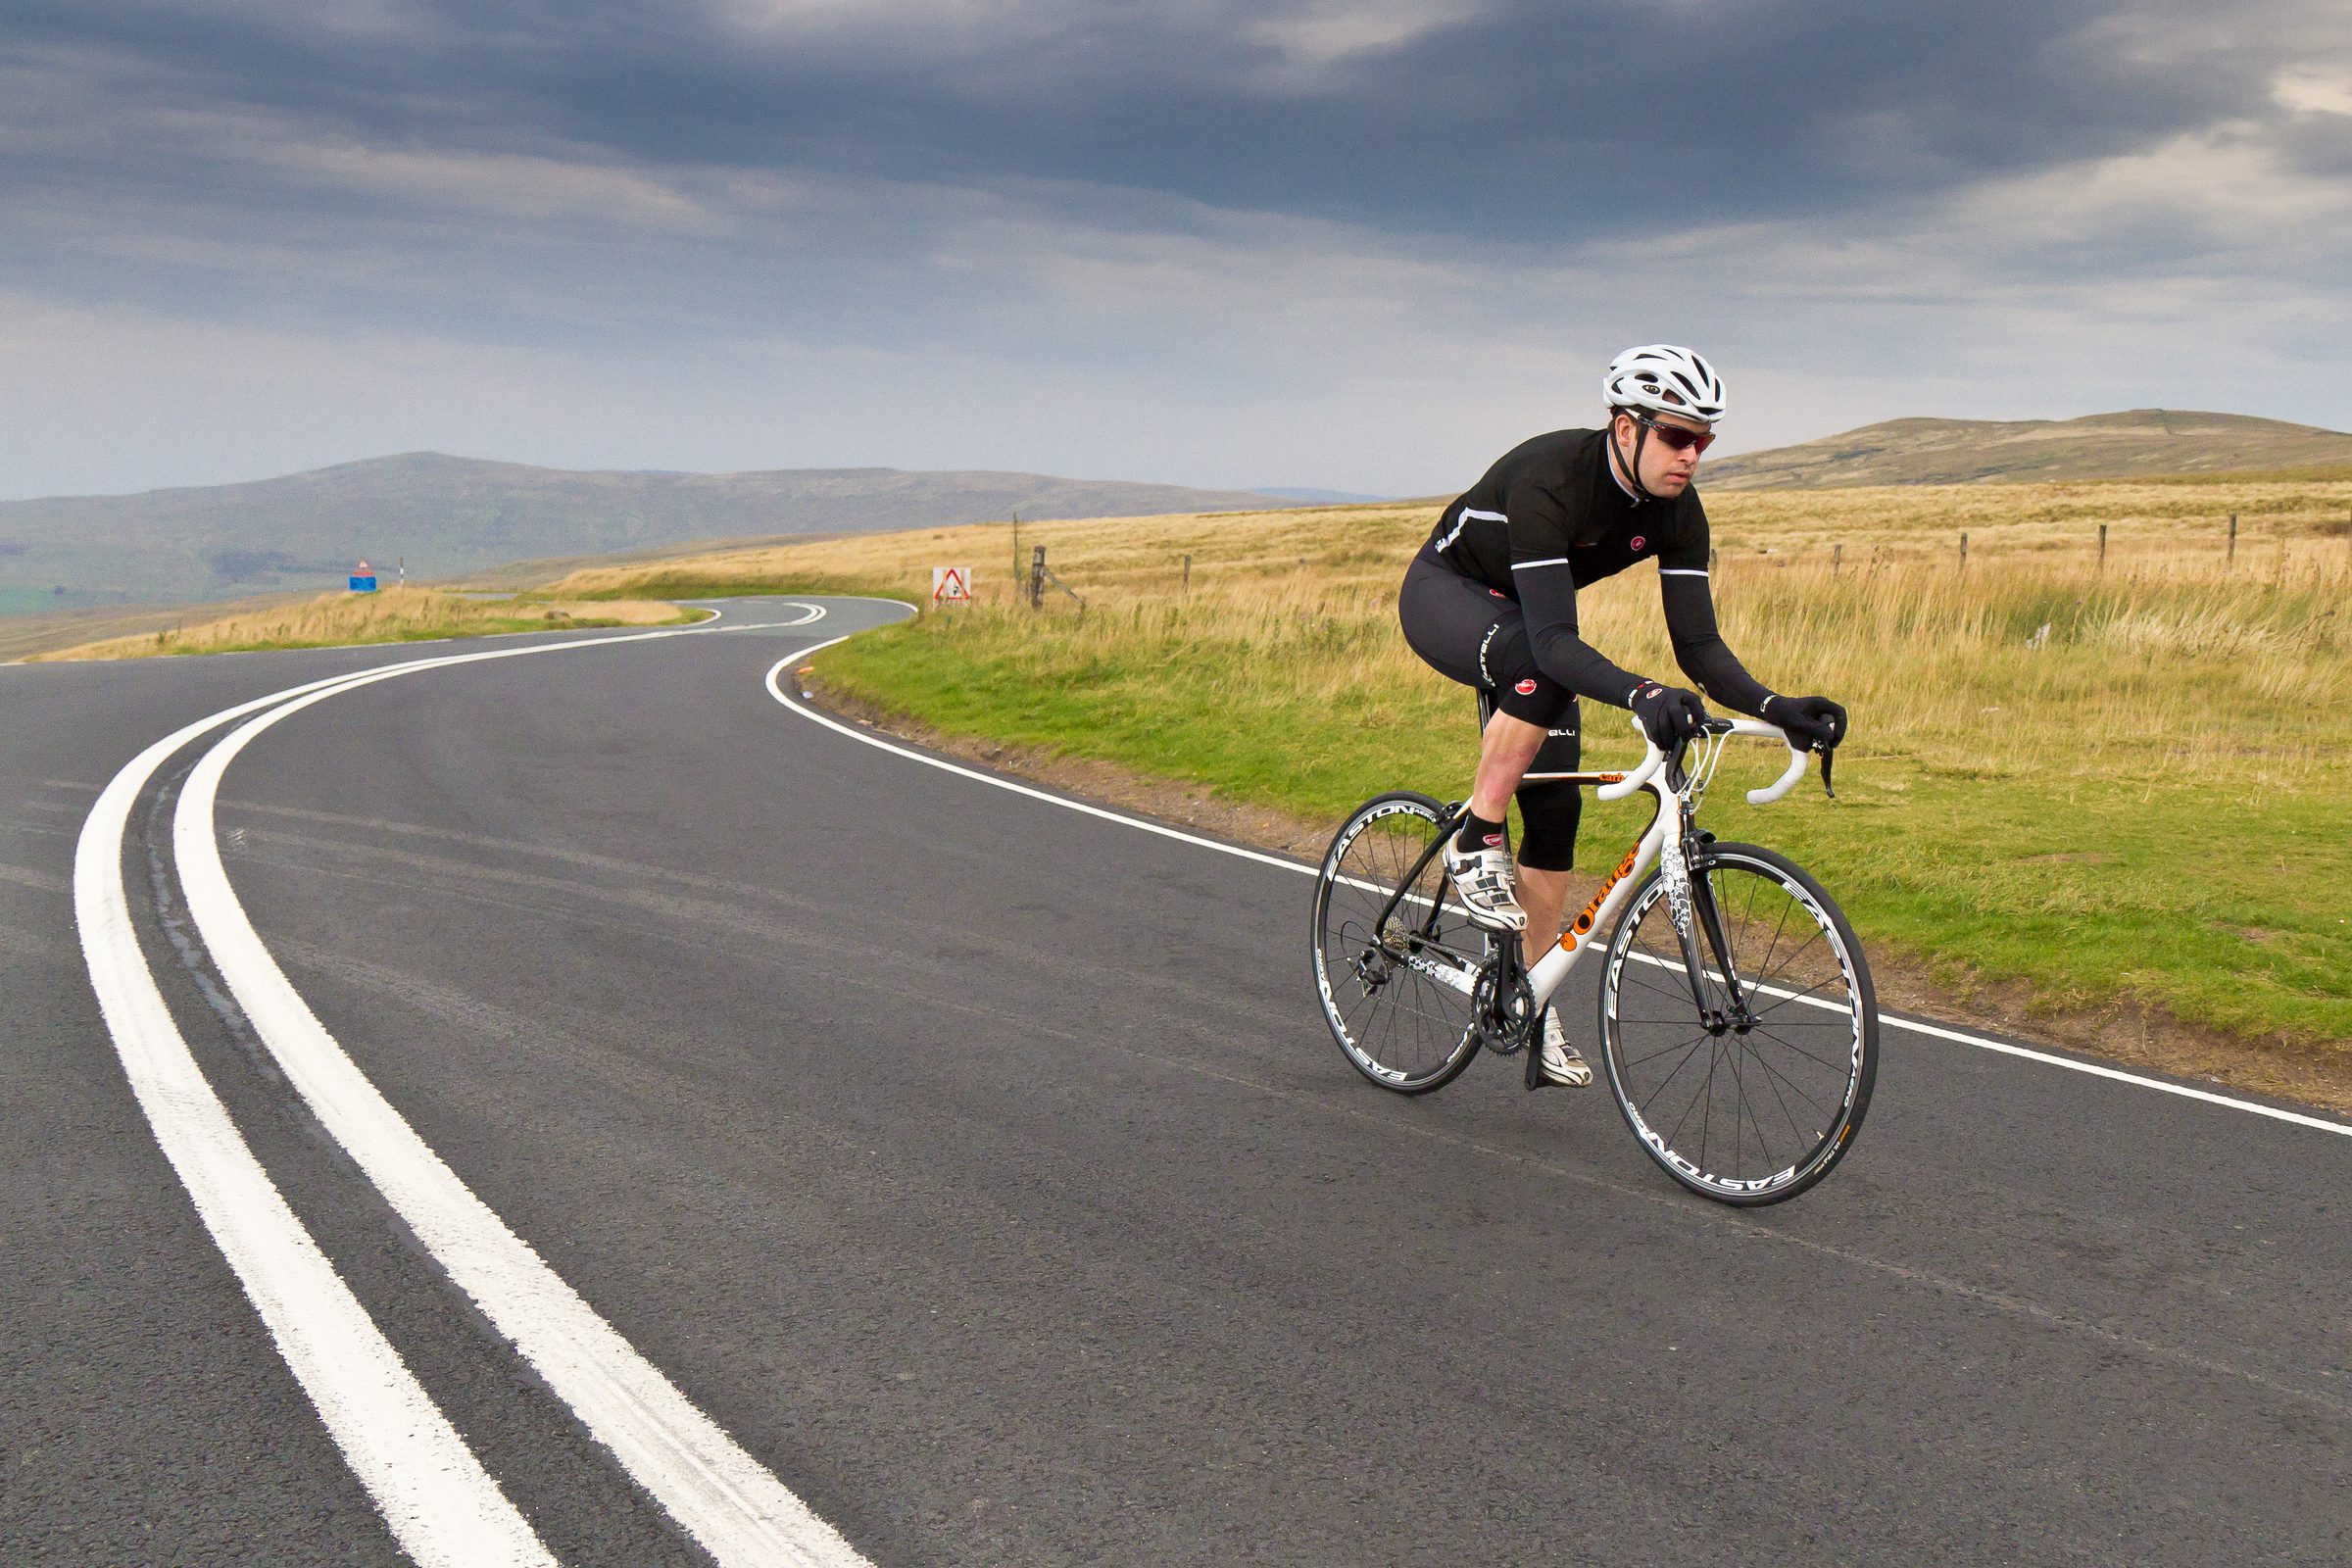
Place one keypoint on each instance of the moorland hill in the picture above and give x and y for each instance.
(2138, 443)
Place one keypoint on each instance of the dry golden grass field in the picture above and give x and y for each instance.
(391, 615)
(2111, 787)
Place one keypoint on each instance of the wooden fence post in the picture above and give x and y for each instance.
(2102, 546)
(1836, 558)
(1964, 549)
(2231, 559)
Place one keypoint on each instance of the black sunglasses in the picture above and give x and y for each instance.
(1676, 438)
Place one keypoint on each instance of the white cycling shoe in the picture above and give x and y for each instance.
(1482, 878)
(1562, 1065)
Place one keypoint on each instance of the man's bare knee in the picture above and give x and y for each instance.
(1506, 750)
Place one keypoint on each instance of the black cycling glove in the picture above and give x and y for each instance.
(1814, 723)
(1668, 713)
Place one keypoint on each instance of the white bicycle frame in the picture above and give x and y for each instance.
(1546, 974)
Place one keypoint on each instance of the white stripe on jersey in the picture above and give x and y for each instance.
(1463, 521)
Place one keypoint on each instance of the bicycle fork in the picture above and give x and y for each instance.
(1690, 902)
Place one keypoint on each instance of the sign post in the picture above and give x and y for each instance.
(951, 586)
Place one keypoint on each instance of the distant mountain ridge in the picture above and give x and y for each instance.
(2135, 443)
(450, 516)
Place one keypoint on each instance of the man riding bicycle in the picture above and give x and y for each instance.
(1489, 601)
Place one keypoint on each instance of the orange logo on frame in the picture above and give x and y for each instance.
(1584, 923)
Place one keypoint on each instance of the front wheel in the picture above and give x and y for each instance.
(1748, 1104)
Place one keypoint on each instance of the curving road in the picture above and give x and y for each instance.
(681, 1131)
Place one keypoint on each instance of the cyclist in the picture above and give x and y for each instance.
(1489, 601)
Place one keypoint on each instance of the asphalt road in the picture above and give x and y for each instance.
(983, 1171)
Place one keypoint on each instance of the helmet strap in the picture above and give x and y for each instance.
(1632, 470)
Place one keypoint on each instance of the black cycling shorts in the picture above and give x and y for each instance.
(1467, 632)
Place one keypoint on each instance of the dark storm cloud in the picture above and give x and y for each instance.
(1511, 123)
(1185, 238)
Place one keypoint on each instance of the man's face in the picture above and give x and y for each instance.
(1664, 472)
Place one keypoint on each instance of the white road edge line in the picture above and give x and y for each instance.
(1935, 1031)
(730, 1503)
(1165, 832)
(441, 1505)
(2005, 1049)
(443, 1508)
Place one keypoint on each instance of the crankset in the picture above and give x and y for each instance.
(1504, 1022)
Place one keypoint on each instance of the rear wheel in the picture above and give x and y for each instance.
(1395, 995)
(1742, 1111)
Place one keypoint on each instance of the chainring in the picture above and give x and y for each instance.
(1505, 1035)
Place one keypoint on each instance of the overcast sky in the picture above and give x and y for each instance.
(1365, 244)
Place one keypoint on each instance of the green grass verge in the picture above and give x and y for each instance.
(2221, 904)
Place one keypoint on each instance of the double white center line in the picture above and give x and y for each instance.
(441, 1504)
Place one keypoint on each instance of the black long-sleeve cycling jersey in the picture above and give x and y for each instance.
(1549, 517)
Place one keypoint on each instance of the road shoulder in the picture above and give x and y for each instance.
(2129, 1033)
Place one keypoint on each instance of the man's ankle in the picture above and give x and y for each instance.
(1478, 833)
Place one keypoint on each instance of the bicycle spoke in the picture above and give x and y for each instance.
(1765, 968)
(1763, 1144)
(1780, 976)
(1664, 990)
(1693, 1104)
(1836, 977)
(1776, 1092)
(1706, 1094)
(1672, 1076)
(1635, 1061)
(1793, 1084)
(1739, 1099)
(1837, 1068)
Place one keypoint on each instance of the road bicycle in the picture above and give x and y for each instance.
(1739, 1028)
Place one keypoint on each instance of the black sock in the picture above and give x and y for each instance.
(1478, 834)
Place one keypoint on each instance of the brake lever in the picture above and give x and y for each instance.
(1829, 758)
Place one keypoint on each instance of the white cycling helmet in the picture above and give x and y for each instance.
(1664, 379)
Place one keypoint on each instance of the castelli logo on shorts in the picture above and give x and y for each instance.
(1497, 593)
(1526, 688)
(1638, 541)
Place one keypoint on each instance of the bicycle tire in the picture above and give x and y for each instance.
(1399, 1009)
(1827, 1064)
